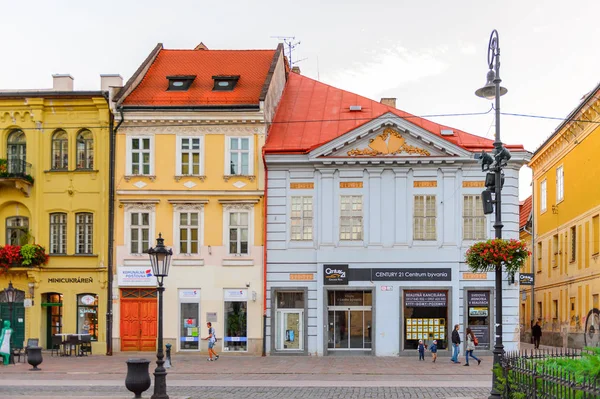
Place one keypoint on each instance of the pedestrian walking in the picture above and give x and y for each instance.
(433, 350)
(421, 350)
(536, 332)
(471, 343)
(212, 340)
(455, 344)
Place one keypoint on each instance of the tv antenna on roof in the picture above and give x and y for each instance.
(291, 45)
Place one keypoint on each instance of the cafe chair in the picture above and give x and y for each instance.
(17, 353)
(55, 345)
(72, 344)
(85, 345)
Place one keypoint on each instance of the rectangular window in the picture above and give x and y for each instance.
(140, 232)
(58, 233)
(351, 218)
(555, 310)
(85, 233)
(239, 156)
(543, 196)
(235, 336)
(560, 184)
(573, 243)
(87, 316)
(189, 232)
(555, 250)
(190, 155)
(596, 234)
(473, 218)
(424, 218)
(302, 218)
(539, 310)
(140, 156)
(238, 233)
(539, 257)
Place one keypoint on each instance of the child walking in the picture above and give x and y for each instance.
(421, 350)
(433, 350)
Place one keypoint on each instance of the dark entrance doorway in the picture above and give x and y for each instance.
(53, 303)
(17, 318)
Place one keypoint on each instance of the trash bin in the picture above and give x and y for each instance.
(138, 377)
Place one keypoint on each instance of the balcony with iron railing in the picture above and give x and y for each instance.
(16, 172)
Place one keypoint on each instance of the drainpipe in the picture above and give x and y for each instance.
(111, 234)
(264, 348)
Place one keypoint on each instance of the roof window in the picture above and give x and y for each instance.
(180, 82)
(225, 82)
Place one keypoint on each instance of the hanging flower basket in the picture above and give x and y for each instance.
(486, 256)
(28, 255)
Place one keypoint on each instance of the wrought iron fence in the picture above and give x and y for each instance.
(14, 167)
(526, 375)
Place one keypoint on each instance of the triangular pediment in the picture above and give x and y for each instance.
(389, 137)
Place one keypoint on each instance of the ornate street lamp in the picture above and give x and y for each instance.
(11, 295)
(493, 90)
(160, 257)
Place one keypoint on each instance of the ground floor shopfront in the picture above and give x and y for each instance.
(384, 311)
(51, 302)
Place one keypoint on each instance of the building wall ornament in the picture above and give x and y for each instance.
(226, 178)
(179, 177)
(390, 142)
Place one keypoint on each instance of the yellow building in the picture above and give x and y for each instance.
(525, 234)
(54, 182)
(190, 126)
(566, 173)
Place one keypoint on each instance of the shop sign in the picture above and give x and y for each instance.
(474, 276)
(425, 299)
(71, 280)
(211, 316)
(302, 276)
(235, 295)
(479, 312)
(135, 276)
(349, 298)
(478, 298)
(336, 275)
(482, 332)
(189, 294)
(27, 303)
(526, 279)
(387, 288)
(411, 274)
(87, 300)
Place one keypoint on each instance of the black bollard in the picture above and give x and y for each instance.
(168, 362)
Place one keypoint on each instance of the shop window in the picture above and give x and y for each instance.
(289, 321)
(302, 218)
(58, 233)
(60, 150)
(478, 317)
(17, 230)
(351, 218)
(87, 315)
(349, 320)
(474, 220)
(425, 315)
(189, 328)
(85, 150)
(424, 220)
(236, 315)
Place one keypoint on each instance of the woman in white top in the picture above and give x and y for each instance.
(470, 343)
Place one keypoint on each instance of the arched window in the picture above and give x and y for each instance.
(16, 150)
(85, 150)
(17, 228)
(60, 150)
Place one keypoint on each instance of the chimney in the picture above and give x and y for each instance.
(390, 101)
(111, 80)
(62, 82)
(296, 69)
(201, 46)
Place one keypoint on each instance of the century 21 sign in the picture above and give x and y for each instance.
(335, 275)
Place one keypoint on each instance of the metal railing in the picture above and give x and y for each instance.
(527, 375)
(15, 167)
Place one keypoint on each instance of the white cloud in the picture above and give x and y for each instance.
(388, 68)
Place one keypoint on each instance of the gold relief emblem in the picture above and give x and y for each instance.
(389, 142)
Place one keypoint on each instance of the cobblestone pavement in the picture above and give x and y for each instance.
(10, 392)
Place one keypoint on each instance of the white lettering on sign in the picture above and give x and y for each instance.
(330, 271)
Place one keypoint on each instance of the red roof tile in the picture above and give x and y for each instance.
(524, 212)
(312, 113)
(252, 66)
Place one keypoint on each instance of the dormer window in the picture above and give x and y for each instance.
(225, 82)
(180, 82)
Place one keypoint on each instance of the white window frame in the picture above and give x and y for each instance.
(129, 155)
(250, 155)
(560, 184)
(179, 156)
(476, 218)
(423, 219)
(303, 222)
(63, 242)
(543, 196)
(233, 208)
(139, 208)
(353, 218)
(188, 208)
(88, 233)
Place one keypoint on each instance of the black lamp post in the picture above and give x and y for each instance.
(160, 257)
(492, 90)
(11, 295)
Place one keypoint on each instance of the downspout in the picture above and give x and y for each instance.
(264, 348)
(111, 234)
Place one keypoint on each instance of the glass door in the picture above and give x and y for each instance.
(349, 327)
(291, 333)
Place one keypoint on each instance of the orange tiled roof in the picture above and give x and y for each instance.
(524, 211)
(252, 66)
(312, 113)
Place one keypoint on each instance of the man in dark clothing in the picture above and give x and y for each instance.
(455, 344)
(536, 332)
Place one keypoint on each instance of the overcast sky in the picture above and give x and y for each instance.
(430, 55)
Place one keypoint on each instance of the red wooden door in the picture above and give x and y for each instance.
(138, 320)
